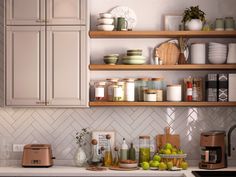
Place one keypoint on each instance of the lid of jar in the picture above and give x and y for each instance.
(112, 79)
(157, 79)
(219, 18)
(174, 85)
(143, 79)
(129, 79)
(121, 83)
(144, 137)
(102, 83)
(150, 91)
(229, 17)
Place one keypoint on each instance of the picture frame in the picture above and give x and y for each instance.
(100, 136)
(172, 22)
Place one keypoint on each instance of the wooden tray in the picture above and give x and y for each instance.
(96, 168)
(123, 169)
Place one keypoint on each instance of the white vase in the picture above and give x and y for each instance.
(194, 25)
(80, 157)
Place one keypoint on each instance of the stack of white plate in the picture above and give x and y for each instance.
(217, 53)
(105, 22)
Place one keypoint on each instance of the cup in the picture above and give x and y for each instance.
(231, 59)
(122, 24)
(198, 53)
(219, 24)
(229, 24)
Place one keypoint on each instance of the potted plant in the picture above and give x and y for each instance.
(193, 18)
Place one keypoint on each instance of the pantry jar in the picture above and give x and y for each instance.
(141, 84)
(174, 93)
(150, 95)
(129, 89)
(100, 91)
(118, 91)
(156, 83)
(159, 95)
(110, 87)
(144, 149)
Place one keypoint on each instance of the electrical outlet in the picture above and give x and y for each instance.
(18, 147)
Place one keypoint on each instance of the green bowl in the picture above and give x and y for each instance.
(133, 62)
(110, 61)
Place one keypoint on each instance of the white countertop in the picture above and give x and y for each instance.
(75, 171)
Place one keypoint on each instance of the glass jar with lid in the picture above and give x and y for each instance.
(110, 85)
(118, 91)
(129, 89)
(150, 95)
(144, 149)
(100, 91)
(141, 84)
(156, 83)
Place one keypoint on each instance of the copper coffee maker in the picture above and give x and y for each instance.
(213, 152)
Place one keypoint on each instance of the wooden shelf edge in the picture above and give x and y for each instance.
(164, 104)
(162, 34)
(163, 67)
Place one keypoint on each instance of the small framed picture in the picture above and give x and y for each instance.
(100, 136)
(172, 22)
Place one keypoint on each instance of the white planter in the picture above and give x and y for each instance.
(194, 25)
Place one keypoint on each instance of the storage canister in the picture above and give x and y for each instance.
(156, 83)
(110, 87)
(118, 91)
(100, 91)
(141, 84)
(174, 93)
(144, 149)
(129, 89)
(150, 95)
(159, 95)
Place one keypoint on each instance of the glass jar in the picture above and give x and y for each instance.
(129, 90)
(118, 91)
(156, 83)
(150, 95)
(100, 91)
(159, 95)
(110, 83)
(144, 149)
(141, 84)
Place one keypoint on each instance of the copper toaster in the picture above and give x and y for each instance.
(37, 155)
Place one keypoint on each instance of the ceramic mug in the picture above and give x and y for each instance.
(122, 24)
(219, 24)
(232, 53)
(229, 24)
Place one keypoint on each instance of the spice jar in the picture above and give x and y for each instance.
(129, 90)
(110, 87)
(100, 91)
(118, 91)
(141, 84)
(144, 149)
(150, 95)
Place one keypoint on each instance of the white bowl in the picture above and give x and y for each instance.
(106, 21)
(105, 27)
(128, 165)
(220, 60)
(105, 15)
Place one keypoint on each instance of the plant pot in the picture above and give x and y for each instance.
(80, 157)
(194, 25)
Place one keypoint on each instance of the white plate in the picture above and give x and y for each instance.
(130, 165)
(216, 44)
(127, 13)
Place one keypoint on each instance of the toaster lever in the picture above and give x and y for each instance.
(53, 157)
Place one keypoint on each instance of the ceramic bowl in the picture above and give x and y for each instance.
(134, 53)
(134, 58)
(105, 15)
(217, 60)
(111, 61)
(106, 21)
(105, 27)
(128, 165)
(133, 62)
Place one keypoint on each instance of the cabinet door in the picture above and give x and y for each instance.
(25, 12)
(67, 66)
(66, 12)
(25, 65)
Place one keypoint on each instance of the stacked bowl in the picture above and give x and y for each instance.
(134, 57)
(217, 53)
(111, 59)
(105, 22)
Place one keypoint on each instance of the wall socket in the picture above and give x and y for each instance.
(18, 147)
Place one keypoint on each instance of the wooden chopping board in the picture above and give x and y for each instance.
(161, 140)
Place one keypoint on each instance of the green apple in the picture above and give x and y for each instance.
(169, 165)
(184, 165)
(167, 151)
(168, 146)
(145, 165)
(155, 164)
(162, 166)
(157, 158)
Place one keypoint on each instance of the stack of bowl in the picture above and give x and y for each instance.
(111, 59)
(105, 22)
(134, 57)
(217, 53)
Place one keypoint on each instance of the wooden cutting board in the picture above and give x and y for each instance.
(161, 140)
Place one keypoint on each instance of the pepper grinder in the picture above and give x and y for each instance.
(95, 159)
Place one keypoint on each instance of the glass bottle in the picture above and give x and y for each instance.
(95, 159)
(118, 91)
(110, 87)
(132, 153)
(116, 158)
(100, 91)
(129, 90)
(108, 152)
(124, 151)
(144, 149)
(141, 84)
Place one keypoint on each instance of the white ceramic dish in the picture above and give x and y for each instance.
(133, 62)
(217, 60)
(105, 15)
(128, 165)
(106, 21)
(105, 27)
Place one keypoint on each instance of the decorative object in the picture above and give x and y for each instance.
(80, 155)
(100, 136)
(231, 59)
(122, 24)
(229, 24)
(219, 24)
(223, 87)
(193, 18)
(127, 13)
(182, 47)
(172, 22)
(198, 53)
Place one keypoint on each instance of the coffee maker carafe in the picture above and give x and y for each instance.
(212, 150)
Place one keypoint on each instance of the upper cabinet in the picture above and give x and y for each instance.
(49, 12)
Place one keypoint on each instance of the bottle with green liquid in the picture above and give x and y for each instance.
(144, 149)
(124, 151)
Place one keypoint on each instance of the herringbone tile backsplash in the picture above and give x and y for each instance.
(58, 126)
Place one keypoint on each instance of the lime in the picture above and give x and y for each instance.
(145, 165)
(157, 158)
(155, 164)
(184, 165)
(167, 151)
(168, 146)
(162, 166)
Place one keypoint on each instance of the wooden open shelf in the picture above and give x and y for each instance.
(95, 67)
(164, 104)
(161, 34)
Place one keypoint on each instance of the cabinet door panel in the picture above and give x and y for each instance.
(69, 12)
(25, 12)
(66, 66)
(25, 60)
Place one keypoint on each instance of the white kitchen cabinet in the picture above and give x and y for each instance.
(66, 65)
(25, 12)
(66, 12)
(25, 61)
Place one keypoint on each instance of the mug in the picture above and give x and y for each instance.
(122, 24)
(219, 24)
(232, 54)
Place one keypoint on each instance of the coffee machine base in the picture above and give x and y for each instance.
(209, 166)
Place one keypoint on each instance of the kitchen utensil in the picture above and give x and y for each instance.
(161, 140)
(37, 155)
(232, 53)
(198, 53)
(127, 13)
(105, 27)
(122, 24)
(168, 52)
